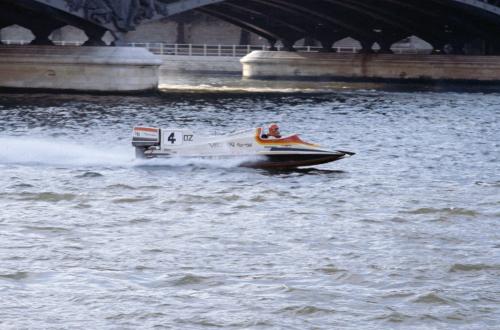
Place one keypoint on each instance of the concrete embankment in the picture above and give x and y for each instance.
(200, 64)
(129, 69)
(294, 65)
(100, 69)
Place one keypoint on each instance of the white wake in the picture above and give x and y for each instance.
(23, 150)
(58, 152)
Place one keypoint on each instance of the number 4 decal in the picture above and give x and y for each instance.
(172, 138)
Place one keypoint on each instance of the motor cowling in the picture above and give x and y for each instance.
(146, 136)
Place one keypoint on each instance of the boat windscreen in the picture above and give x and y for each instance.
(250, 131)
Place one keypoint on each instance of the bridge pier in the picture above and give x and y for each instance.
(95, 38)
(327, 44)
(89, 69)
(288, 65)
(385, 47)
(272, 44)
(366, 46)
(288, 45)
(42, 34)
(492, 47)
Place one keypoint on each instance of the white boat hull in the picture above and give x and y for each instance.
(256, 152)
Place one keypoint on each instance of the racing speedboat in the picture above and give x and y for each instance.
(249, 145)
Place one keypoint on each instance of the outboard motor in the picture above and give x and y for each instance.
(144, 138)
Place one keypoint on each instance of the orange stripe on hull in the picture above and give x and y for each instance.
(292, 139)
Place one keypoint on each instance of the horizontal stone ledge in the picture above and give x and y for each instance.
(272, 56)
(77, 54)
(266, 64)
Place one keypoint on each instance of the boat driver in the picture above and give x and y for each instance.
(273, 131)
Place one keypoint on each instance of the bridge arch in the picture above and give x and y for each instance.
(439, 22)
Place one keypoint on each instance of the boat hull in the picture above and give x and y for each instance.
(294, 161)
(281, 161)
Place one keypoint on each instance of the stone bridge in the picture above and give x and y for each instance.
(447, 25)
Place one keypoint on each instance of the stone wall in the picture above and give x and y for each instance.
(109, 69)
(160, 31)
(213, 30)
(294, 65)
(197, 29)
(200, 64)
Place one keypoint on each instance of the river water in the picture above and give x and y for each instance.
(403, 235)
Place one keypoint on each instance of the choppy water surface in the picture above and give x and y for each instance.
(403, 235)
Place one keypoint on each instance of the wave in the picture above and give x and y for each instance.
(32, 151)
(446, 210)
(204, 162)
(238, 89)
(473, 267)
(55, 152)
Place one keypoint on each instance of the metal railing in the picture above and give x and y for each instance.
(197, 50)
(218, 50)
(224, 50)
(26, 42)
(242, 50)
